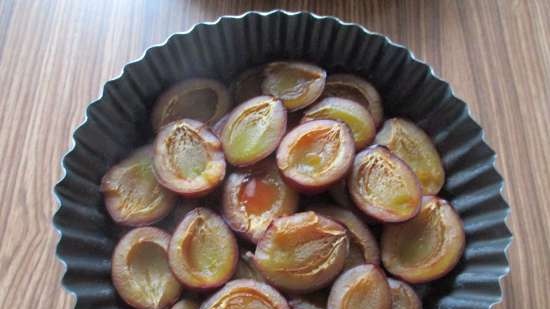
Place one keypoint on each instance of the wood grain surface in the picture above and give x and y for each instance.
(56, 55)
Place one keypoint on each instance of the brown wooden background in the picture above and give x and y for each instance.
(56, 55)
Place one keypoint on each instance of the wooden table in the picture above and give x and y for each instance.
(56, 55)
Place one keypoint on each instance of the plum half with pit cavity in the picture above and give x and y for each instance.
(203, 251)
(403, 296)
(353, 114)
(383, 186)
(188, 158)
(364, 287)
(302, 253)
(205, 100)
(355, 88)
(360, 236)
(297, 84)
(253, 130)
(412, 145)
(246, 294)
(254, 196)
(132, 194)
(315, 155)
(140, 270)
(428, 246)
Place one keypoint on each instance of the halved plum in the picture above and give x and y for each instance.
(246, 268)
(186, 304)
(254, 196)
(246, 294)
(133, 197)
(412, 145)
(403, 295)
(253, 130)
(383, 186)
(364, 287)
(355, 88)
(428, 246)
(205, 100)
(297, 84)
(248, 84)
(203, 252)
(140, 271)
(355, 115)
(302, 253)
(316, 154)
(359, 234)
(188, 158)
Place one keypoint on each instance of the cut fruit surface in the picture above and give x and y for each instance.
(302, 253)
(383, 186)
(361, 239)
(428, 246)
(188, 158)
(246, 294)
(254, 196)
(362, 287)
(203, 251)
(316, 154)
(412, 145)
(132, 194)
(253, 130)
(353, 114)
(297, 84)
(140, 269)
